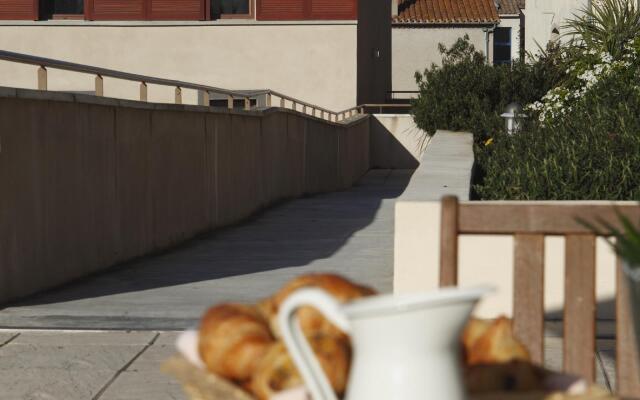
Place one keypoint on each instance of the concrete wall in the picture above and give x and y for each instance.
(89, 182)
(482, 259)
(314, 62)
(396, 142)
(416, 48)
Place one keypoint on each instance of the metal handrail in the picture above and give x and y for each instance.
(144, 80)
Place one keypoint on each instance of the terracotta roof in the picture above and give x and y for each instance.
(510, 7)
(446, 12)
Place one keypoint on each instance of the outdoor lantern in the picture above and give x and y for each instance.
(510, 115)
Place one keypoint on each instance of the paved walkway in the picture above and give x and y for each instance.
(105, 337)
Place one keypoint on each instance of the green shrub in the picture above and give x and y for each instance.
(590, 151)
(467, 94)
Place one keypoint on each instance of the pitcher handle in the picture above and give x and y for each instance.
(298, 346)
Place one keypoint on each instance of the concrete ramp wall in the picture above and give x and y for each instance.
(88, 182)
(396, 142)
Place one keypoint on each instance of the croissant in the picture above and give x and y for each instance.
(495, 344)
(311, 321)
(233, 338)
(276, 371)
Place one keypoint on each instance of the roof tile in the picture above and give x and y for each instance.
(510, 7)
(448, 11)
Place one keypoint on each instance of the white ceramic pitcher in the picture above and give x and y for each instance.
(404, 347)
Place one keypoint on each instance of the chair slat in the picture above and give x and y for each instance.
(548, 218)
(580, 306)
(627, 368)
(528, 299)
(449, 242)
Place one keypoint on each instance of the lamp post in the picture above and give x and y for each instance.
(510, 115)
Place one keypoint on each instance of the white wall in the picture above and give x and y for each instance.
(541, 16)
(416, 48)
(312, 62)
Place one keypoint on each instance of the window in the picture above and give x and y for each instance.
(63, 9)
(231, 9)
(502, 46)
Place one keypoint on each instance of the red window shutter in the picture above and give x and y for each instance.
(192, 10)
(19, 9)
(280, 10)
(101, 10)
(334, 9)
(179, 10)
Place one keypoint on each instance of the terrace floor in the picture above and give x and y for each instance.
(105, 337)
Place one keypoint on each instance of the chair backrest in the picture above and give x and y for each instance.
(529, 222)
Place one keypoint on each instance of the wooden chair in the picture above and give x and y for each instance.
(529, 222)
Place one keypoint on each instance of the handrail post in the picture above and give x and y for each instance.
(206, 99)
(247, 104)
(230, 102)
(361, 110)
(268, 100)
(178, 95)
(304, 109)
(42, 78)
(294, 106)
(99, 85)
(143, 91)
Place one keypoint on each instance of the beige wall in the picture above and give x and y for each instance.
(416, 48)
(482, 259)
(89, 182)
(312, 62)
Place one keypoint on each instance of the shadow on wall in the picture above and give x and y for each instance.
(293, 234)
(396, 142)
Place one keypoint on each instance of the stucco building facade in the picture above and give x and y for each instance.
(333, 53)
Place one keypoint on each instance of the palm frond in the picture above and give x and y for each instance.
(607, 26)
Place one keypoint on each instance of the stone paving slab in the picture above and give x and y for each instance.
(65, 365)
(6, 337)
(144, 380)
